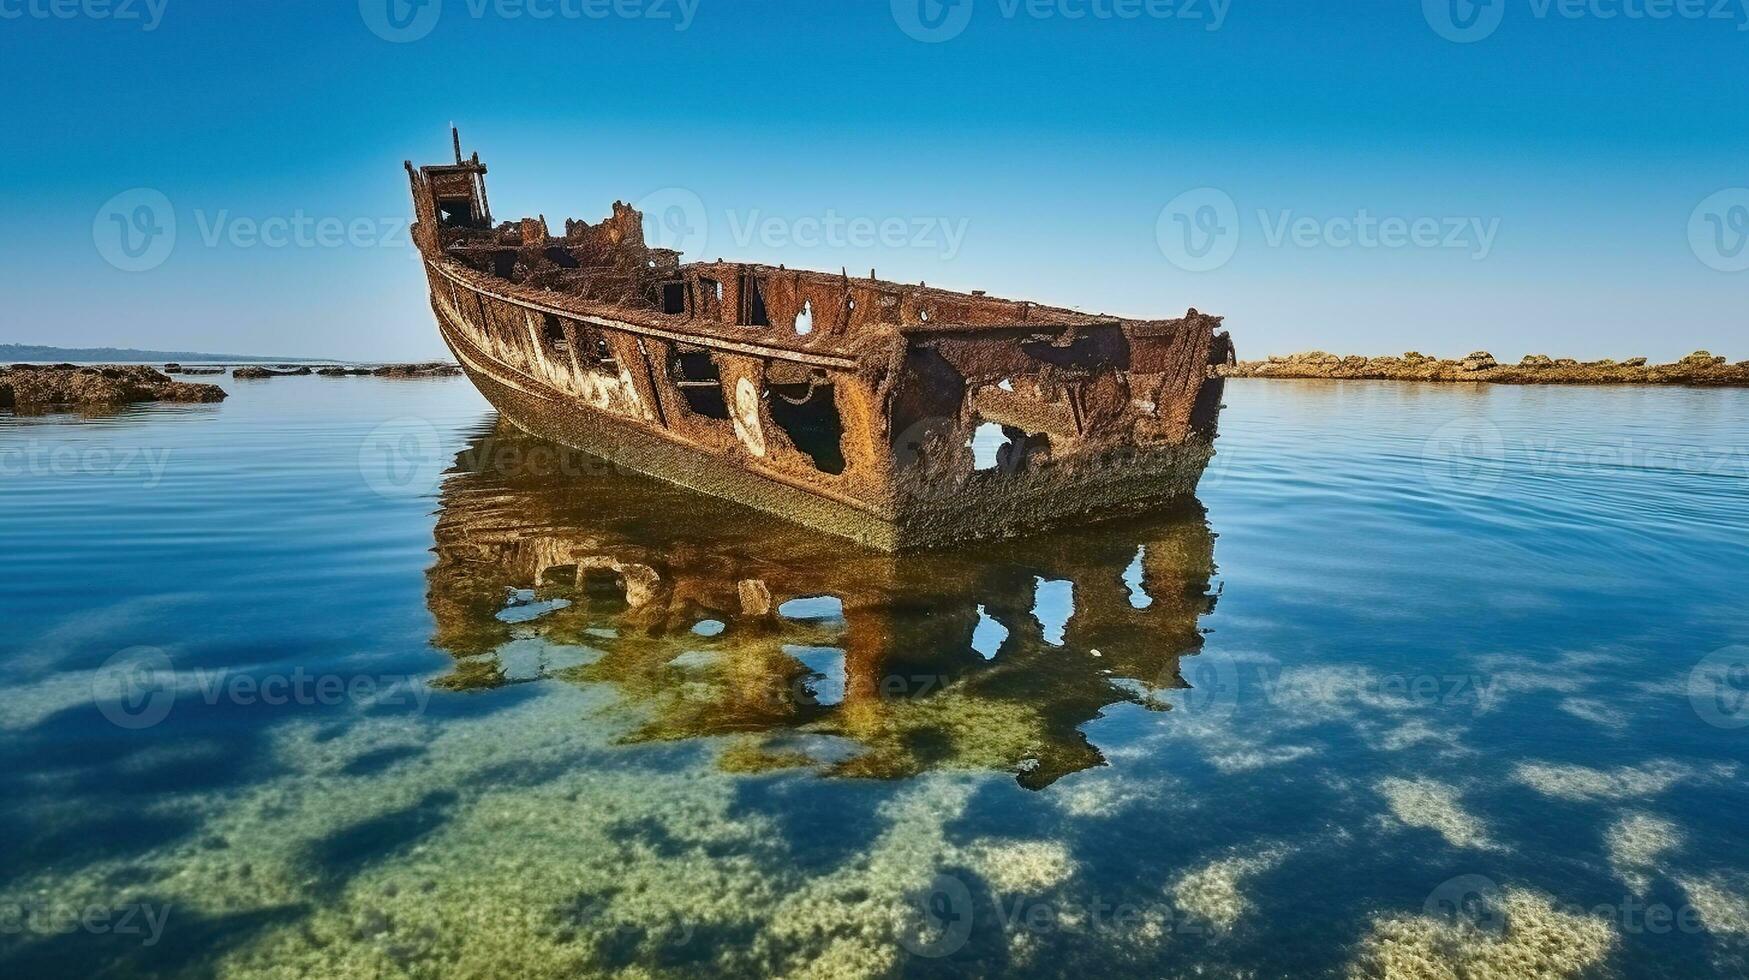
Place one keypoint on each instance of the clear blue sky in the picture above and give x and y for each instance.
(1581, 144)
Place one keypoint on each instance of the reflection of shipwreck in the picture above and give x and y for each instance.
(992, 660)
(847, 404)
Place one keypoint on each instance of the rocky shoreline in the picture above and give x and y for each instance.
(36, 387)
(255, 373)
(434, 369)
(1699, 368)
(28, 386)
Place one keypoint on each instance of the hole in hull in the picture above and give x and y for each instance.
(753, 313)
(808, 414)
(988, 441)
(674, 298)
(553, 332)
(602, 587)
(998, 448)
(455, 213)
(695, 373)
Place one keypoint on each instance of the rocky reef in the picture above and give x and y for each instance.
(258, 373)
(427, 370)
(26, 386)
(431, 370)
(1699, 368)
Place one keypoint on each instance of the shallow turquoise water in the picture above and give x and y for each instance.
(337, 678)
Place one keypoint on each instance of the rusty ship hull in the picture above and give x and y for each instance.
(864, 408)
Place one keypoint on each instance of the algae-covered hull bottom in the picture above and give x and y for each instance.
(896, 415)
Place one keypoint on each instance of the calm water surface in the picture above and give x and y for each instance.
(341, 679)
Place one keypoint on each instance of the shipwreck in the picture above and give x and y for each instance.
(898, 415)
